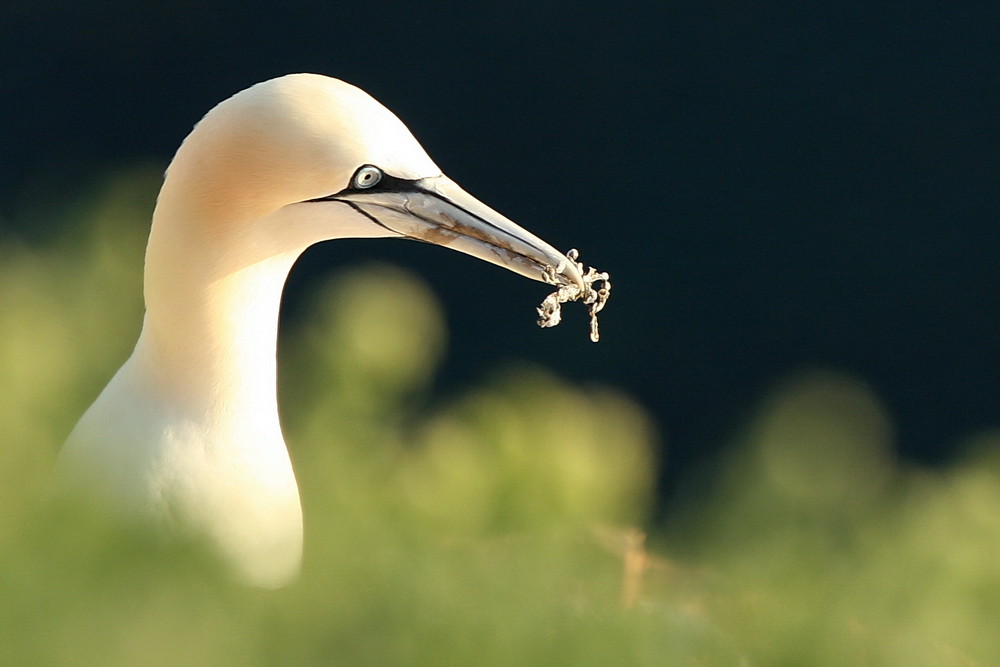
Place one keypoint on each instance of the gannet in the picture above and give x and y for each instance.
(187, 431)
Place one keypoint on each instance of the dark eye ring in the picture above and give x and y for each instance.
(366, 177)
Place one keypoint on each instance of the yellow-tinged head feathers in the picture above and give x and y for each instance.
(287, 140)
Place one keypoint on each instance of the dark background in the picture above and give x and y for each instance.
(771, 186)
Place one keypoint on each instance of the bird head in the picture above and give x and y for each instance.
(305, 158)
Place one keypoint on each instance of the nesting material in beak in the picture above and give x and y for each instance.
(550, 312)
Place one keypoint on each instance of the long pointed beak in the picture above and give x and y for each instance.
(437, 210)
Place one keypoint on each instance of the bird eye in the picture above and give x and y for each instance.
(366, 177)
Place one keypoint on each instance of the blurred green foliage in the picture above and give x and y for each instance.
(503, 526)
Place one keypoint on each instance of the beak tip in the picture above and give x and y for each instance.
(576, 278)
(570, 270)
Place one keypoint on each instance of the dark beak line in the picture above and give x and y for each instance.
(402, 186)
(486, 223)
(362, 211)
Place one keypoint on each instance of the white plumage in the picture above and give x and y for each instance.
(187, 431)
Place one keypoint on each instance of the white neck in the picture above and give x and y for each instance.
(188, 428)
(211, 340)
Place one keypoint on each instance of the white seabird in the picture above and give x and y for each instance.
(187, 431)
